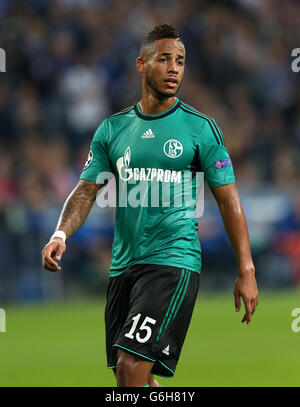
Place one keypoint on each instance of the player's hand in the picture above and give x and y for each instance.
(246, 288)
(53, 250)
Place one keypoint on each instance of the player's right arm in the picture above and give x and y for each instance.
(81, 199)
(73, 215)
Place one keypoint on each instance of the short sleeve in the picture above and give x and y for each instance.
(214, 158)
(98, 159)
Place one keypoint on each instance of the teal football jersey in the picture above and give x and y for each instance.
(156, 160)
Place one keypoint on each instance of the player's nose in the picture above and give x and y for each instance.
(172, 67)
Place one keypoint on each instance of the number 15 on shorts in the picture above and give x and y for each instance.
(143, 327)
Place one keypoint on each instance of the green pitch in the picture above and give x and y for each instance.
(64, 345)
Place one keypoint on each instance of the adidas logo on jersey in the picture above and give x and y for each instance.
(148, 134)
(166, 351)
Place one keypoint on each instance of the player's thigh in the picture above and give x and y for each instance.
(116, 313)
(134, 363)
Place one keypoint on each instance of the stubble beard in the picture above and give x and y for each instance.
(158, 93)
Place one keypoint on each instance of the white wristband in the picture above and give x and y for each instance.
(59, 233)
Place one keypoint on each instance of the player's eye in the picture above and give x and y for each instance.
(162, 59)
(179, 62)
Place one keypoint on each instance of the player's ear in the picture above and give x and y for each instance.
(141, 64)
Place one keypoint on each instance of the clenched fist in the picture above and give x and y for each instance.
(53, 250)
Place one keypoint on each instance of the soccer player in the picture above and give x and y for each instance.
(156, 144)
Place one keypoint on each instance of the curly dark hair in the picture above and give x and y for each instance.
(158, 33)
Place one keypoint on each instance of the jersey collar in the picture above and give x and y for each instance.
(145, 116)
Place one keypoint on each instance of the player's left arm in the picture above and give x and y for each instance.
(235, 224)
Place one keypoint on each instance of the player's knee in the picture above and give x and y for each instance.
(127, 365)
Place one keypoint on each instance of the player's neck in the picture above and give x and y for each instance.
(151, 105)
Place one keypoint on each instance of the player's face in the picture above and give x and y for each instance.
(165, 67)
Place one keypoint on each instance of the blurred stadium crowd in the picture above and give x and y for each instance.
(70, 63)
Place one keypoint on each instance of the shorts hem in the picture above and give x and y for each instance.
(136, 353)
(166, 367)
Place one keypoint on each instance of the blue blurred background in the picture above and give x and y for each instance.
(70, 63)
